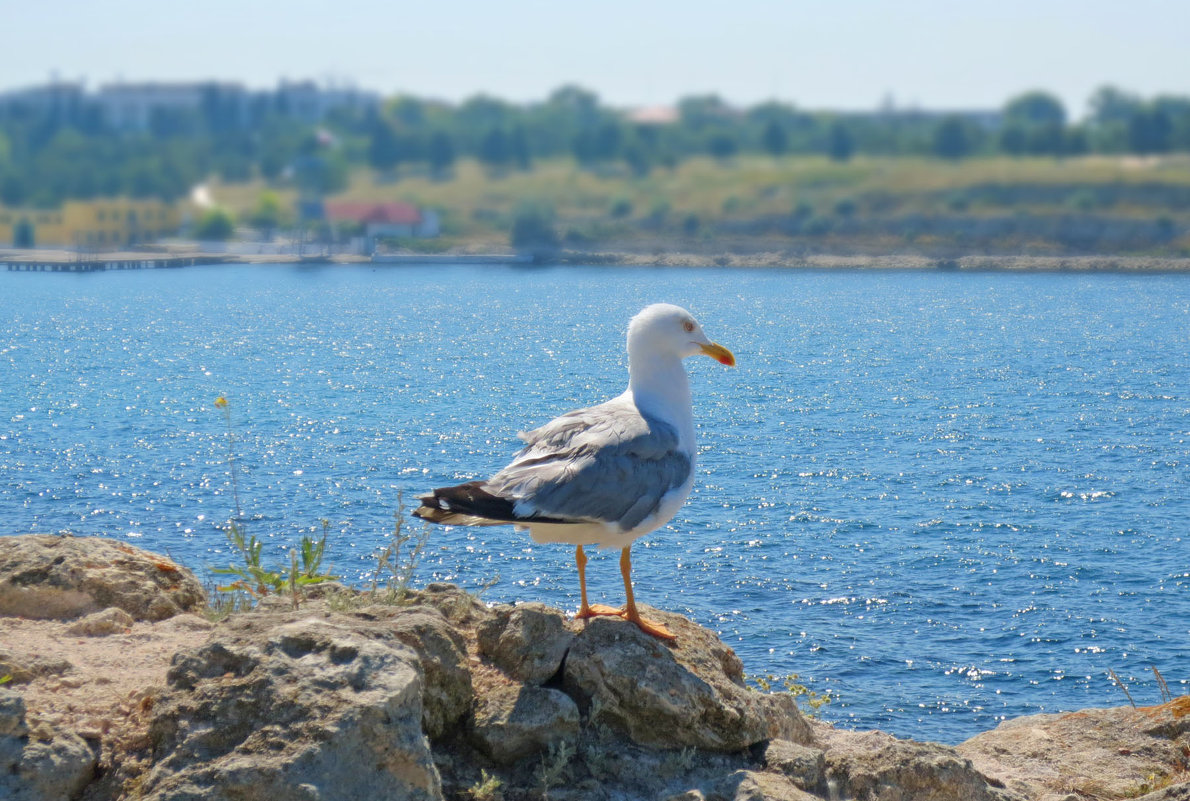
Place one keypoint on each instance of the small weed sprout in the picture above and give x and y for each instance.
(253, 579)
(396, 564)
(258, 581)
(487, 788)
(554, 767)
(222, 603)
(5, 679)
(600, 754)
(678, 763)
(397, 560)
(812, 700)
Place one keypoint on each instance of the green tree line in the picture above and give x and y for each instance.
(45, 159)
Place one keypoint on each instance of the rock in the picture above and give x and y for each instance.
(747, 785)
(459, 607)
(53, 769)
(442, 654)
(1112, 753)
(801, 764)
(12, 714)
(292, 708)
(876, 766)
(24, 667)
(100, 624)
(689, 795)
(527, 641)
(1177, 792)
(322, 704)
(52, 577)
(512, 723)
(185, 622)
(688, 694)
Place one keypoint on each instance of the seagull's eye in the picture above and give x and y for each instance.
(689, 326)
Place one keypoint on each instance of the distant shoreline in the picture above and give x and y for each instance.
(64, 261)
(893, 261)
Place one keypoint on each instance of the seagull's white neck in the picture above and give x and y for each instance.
(659, 386)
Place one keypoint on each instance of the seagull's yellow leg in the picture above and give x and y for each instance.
(585, 611)
(630, 613)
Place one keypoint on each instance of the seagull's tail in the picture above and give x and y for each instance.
(471, 504)
(465, 505)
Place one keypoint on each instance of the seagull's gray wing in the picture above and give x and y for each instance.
(607, 463)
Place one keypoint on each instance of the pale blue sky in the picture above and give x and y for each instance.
(930, 53)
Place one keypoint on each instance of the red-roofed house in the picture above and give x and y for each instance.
(384, 219)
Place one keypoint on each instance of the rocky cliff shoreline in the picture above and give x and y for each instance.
(120, 688)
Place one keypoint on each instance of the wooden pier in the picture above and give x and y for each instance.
(89, 264)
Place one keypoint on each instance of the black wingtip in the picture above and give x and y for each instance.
(468, 503)
(471, 504)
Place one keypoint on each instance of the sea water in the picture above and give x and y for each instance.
(944, 499)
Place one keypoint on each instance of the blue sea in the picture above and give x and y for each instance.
(944, 498)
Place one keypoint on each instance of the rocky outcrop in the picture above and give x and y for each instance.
(302, 709)
(527, 641)
(687, 694)
(39, 767)
(441, 697)
(1100, 753)
(512, 723)
(804, 766)
(100, 624)
(442, 657)
(876, 766)
(46, 576)
(23, 667)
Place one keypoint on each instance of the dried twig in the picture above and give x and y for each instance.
(1166, 695)
(1120, 684)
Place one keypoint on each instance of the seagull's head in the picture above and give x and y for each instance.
(664, 329)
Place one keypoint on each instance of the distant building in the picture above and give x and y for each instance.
(139, 107)
(987, 119)
(653, 115)
(311, 103)
(132, 107)
(60, 101)
(384, 219)
(377, 220)
(108, 224)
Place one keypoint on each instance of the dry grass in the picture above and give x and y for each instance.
(478, 205)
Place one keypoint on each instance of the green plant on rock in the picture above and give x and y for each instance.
(253, 578)
(396, 564)
(398, 559)
(487, 788)
(811, 700)
(678, 763)
(258, 581)
(554, 767)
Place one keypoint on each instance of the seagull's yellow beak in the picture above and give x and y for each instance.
(718, 353)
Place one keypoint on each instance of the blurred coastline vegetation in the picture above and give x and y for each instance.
(575, 173)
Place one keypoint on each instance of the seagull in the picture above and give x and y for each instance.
(607, 474)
